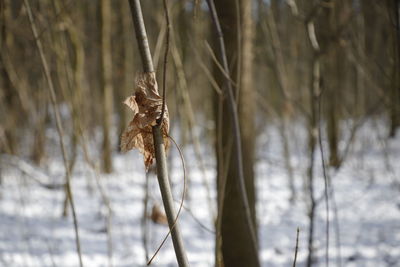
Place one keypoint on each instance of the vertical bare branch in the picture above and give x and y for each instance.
(159, 121)
(162, 171)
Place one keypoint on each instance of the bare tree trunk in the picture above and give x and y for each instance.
(127, 65)
(331, 76)
(394, 25)
(8, 96)
(106, 75)
(284, 83)
(247, 109)
(38, 152)
(233, 238)
(9, 123)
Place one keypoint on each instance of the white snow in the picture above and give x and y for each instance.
(366, 188)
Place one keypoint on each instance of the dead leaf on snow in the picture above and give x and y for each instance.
(146, 105)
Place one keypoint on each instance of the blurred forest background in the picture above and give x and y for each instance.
(318, 71)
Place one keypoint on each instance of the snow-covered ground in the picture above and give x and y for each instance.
(366, 188)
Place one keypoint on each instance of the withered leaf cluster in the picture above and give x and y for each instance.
(146, 105)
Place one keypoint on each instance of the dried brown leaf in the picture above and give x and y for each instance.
(146, 105)
(157, 216)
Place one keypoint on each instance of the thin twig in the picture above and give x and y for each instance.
(198, 221)
(182, 81)
(326, 184)
(159, 120)
(159, 44)
(59, 128)
(207, 72)
(144, 222)
(181, 203)
(219, 65)
(296, 248)
(337, 226)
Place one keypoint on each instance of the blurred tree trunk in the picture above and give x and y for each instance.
(8, 121)
(283, 79)
(9, 115)
(247, 99)
(106, 75)
(332, 75)
(235, 242)
(332, 83)
(38, 152)
(360, 82)
(64, 69)
(314, 94)
(371, 54)
(331, 21)
(8, 95)
(72, 79)
(126, 66)
(394, 25)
